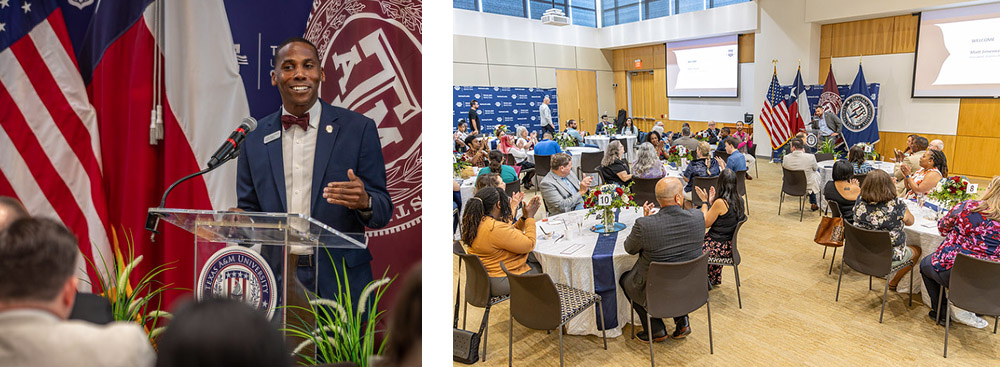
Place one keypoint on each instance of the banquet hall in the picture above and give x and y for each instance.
(791, 129)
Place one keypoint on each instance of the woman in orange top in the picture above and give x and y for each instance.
(487, 231)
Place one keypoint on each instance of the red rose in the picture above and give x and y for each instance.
(952, 189)
(619, 190)
(955, 178)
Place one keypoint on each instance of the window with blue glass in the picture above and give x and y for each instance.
(718, 3)
(684, 6)
(655, 8)
(466, 4)
(584, 12)
(517, 8)
(619, 12)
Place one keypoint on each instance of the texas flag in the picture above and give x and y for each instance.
(796, 109)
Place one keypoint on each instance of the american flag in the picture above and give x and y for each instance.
(775, 116)
(49, 138)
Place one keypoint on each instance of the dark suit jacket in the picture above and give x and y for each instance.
(353, 143)
(671, 235)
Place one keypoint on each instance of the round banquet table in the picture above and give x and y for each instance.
(826, 175)
(924, 234)
(566, 256)
(602, 141)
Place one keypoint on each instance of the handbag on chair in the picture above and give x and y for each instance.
(465, 344)
(830, 231)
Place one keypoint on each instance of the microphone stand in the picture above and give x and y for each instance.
(153, 219)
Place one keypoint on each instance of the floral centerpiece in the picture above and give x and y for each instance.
(500, 130)
(605, 200)
(676, 152)
(870, 153)
(565, 140)
(610, 130)
(951, 191)
(702, 136)
(459, 164)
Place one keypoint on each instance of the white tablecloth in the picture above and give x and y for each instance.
(576, 269)
(826, 175)
(601, 141)
(924, 234)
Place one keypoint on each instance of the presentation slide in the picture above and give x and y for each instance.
(707, 67)
(958, 53)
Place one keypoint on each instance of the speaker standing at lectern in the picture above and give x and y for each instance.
(319, 160)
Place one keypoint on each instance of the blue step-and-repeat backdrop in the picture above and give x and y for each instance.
(504, 105)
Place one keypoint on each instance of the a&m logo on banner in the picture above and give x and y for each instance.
(371, 56)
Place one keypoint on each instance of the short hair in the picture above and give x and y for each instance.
(800, 134)
(725, 129)
(462, 122)
(487, 180)
(877, 187)
(37, 257)
(570, 122)
(14, 208)
(291, 40)
(604, 116)
(919, 143)
(937, 143)
(686, 130)
(797, 144)
(473, 102)
(547, 135)
(733, 141)
(201, 334)
(559, 160)
(470, 138)
(842, 170)
(687, 125)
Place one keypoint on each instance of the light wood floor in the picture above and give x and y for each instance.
(789, 316)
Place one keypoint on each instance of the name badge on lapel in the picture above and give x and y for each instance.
(272, 136)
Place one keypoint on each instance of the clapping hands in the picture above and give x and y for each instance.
(708, 197)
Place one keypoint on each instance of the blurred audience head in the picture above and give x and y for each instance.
(856, 155)
(37, 261)
(703, 149)
(10, 210)
(878, 187)
(221, 332)
(613, 152)
(842, 170)
(486, 201)
(491, 179)
(797, 145)
(919, 143)
(669, 191)
(404, 341)
(936, 144)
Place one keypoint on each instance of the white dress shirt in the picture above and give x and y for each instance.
(298, 150)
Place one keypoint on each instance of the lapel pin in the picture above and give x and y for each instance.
(329, 129)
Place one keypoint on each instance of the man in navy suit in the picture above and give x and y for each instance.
(319, 160)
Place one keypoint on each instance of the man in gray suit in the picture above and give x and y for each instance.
(562, 191)
(37, 291)
(671, 235)
(829, 127)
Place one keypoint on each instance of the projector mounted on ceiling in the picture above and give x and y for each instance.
(555, 17)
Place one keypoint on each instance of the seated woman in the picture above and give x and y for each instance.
(521, 158)
(487, 232)
(721, 219)
(613, 168)
(843, 189)
(522, 133)
(701, 166)
(493, 180)
(878, 208)
(933, 167)
(971, 228)
(648, 165)
(656, 140)
(628, 128)
(506, 172)
(476, 155)
(856, 156)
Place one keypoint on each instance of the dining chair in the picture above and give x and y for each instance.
(752, 150)
(834, 213)
(644, 190)
(477, 293)
(705, 183)
(870, 252)
(674, 290)
(590, 162)
(972, 287)
(793, 183)
(741, 188)
(543, 164)
(733, 260)
(824, 157)
(538, 303)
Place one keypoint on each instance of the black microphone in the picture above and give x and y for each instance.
(233, 142)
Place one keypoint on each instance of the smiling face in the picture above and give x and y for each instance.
(654, 139)
(739, 126)
(926, 161)
(297, 75)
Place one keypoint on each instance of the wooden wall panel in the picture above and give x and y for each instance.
(825, 41)
(567, 88)
(840, 41)
(618, 60)
(660, 104)
(621, 91)
(978, 117)
(587, 86)
(904, 38)
(824, 69)
(977, 157)
(881, 36)
(746, 43)
(644, 53)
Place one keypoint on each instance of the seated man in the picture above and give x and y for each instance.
(673, 234)
(37, 290)
(686, 140)
(936, 144)
(562, 191)
(799, 160)
(571, 130)
(723, 135)
(736, 161)
(712, 132)
(547, 146)
(658, 128)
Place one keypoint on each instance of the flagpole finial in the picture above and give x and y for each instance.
(775, 62)
(800, 64)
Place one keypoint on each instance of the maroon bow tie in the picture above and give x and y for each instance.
(288, 120)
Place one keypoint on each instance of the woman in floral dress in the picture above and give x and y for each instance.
(879, 209)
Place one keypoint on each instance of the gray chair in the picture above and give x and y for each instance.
(705, 183)
(733, 261)
(752, 150)
(590, 163)
(543, 164)
(972, 287)
(677, 289)
(538, 303)
(722, 154)
(835, 213)
(512, 187)
(870, 253)
(824, 157)
(477, 293)
(793, 183)
(644, 190)
(741, 188)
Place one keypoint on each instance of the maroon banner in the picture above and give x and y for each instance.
(371, 57)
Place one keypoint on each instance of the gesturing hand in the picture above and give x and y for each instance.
(722, 163)
(711, 194)
(701, 194)
(585, 184)
(646, 208)
(905, 169)
(351, 193)
(532, 207)
(515, 200)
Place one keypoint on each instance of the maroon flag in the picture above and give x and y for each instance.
(830, 98)
(370, 51)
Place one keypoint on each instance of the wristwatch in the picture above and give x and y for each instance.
(369, 208)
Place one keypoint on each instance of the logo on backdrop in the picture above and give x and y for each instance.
(79, 4)
(811, 140)
(858, 112)
(830, 101)
(239, 273)
(371, 56)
